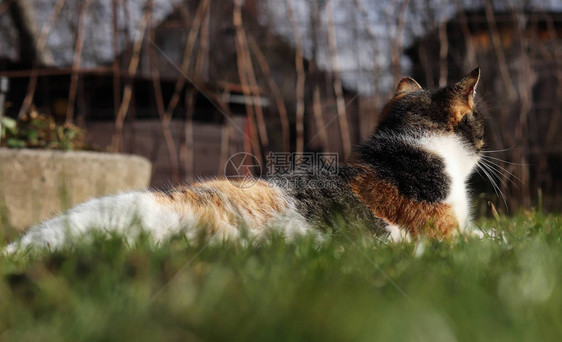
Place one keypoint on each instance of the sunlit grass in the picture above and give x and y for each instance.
(504, 287)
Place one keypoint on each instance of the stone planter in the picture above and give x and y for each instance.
(37, 184)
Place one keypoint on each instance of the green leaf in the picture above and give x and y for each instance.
(32, 135)
(9, 124)
(15, 143)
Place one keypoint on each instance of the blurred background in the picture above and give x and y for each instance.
(189, 83)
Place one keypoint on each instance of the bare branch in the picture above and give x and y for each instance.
(496, 41)
(301, 77)
(132, 71)
(160, 107)
(116, 62)
(319, 117)
(399, 39)
(190, 99)
(41, 43)
(241, 61)
(188, 51)
(250, 75)
(276, 92)
(338, 88)
(443, 51)
(76, 61)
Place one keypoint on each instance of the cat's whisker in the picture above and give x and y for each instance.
(489, 110)
(499, 175)
(491, 163)
(492, 174)
(498, 151)
(493, 168)
(484, 176)
(500, 172)
(495, 186)
(503, 178)
(478, 171)
(503, 161)
(482, 97)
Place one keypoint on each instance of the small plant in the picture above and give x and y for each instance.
(40, 131)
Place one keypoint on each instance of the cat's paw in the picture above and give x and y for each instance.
(397, 234)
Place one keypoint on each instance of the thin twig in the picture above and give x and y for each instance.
(469, 45)
(496, 42)
(377, 69)
(160, 107)
(399, 39)
(443, 51)
(525, 85)
(225, 144)
(276, 92)
(301, 77)
(252, 83)
(116, 62)
(76, 61)
(237, 21)
(319, 118)
(132, 71)
(187, 53)
(191, 97)
(41, 43)
(338, 88)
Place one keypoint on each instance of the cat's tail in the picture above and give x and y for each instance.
(126, 214)
(223, 209)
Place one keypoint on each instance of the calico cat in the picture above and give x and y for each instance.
(407, 180)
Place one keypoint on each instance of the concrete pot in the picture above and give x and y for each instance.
(37, 184)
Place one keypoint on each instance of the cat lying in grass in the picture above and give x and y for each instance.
(407, 180)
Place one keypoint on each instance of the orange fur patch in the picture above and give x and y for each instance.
(461, 107)
(385, 201)
(459, 111)
(218, 204)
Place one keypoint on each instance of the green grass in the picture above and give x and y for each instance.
(351, 288)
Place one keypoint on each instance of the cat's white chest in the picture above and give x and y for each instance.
(459, 164)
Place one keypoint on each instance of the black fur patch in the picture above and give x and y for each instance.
(326, 198)
(416, 173)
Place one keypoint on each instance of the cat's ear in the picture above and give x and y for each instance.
(407, 85)
(466, 88)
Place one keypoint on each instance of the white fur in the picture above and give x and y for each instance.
(121, 213)
(292, 223)
(397, 234)
(130, 213)
(460, 162)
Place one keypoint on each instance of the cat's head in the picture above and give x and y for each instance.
(448, 110)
